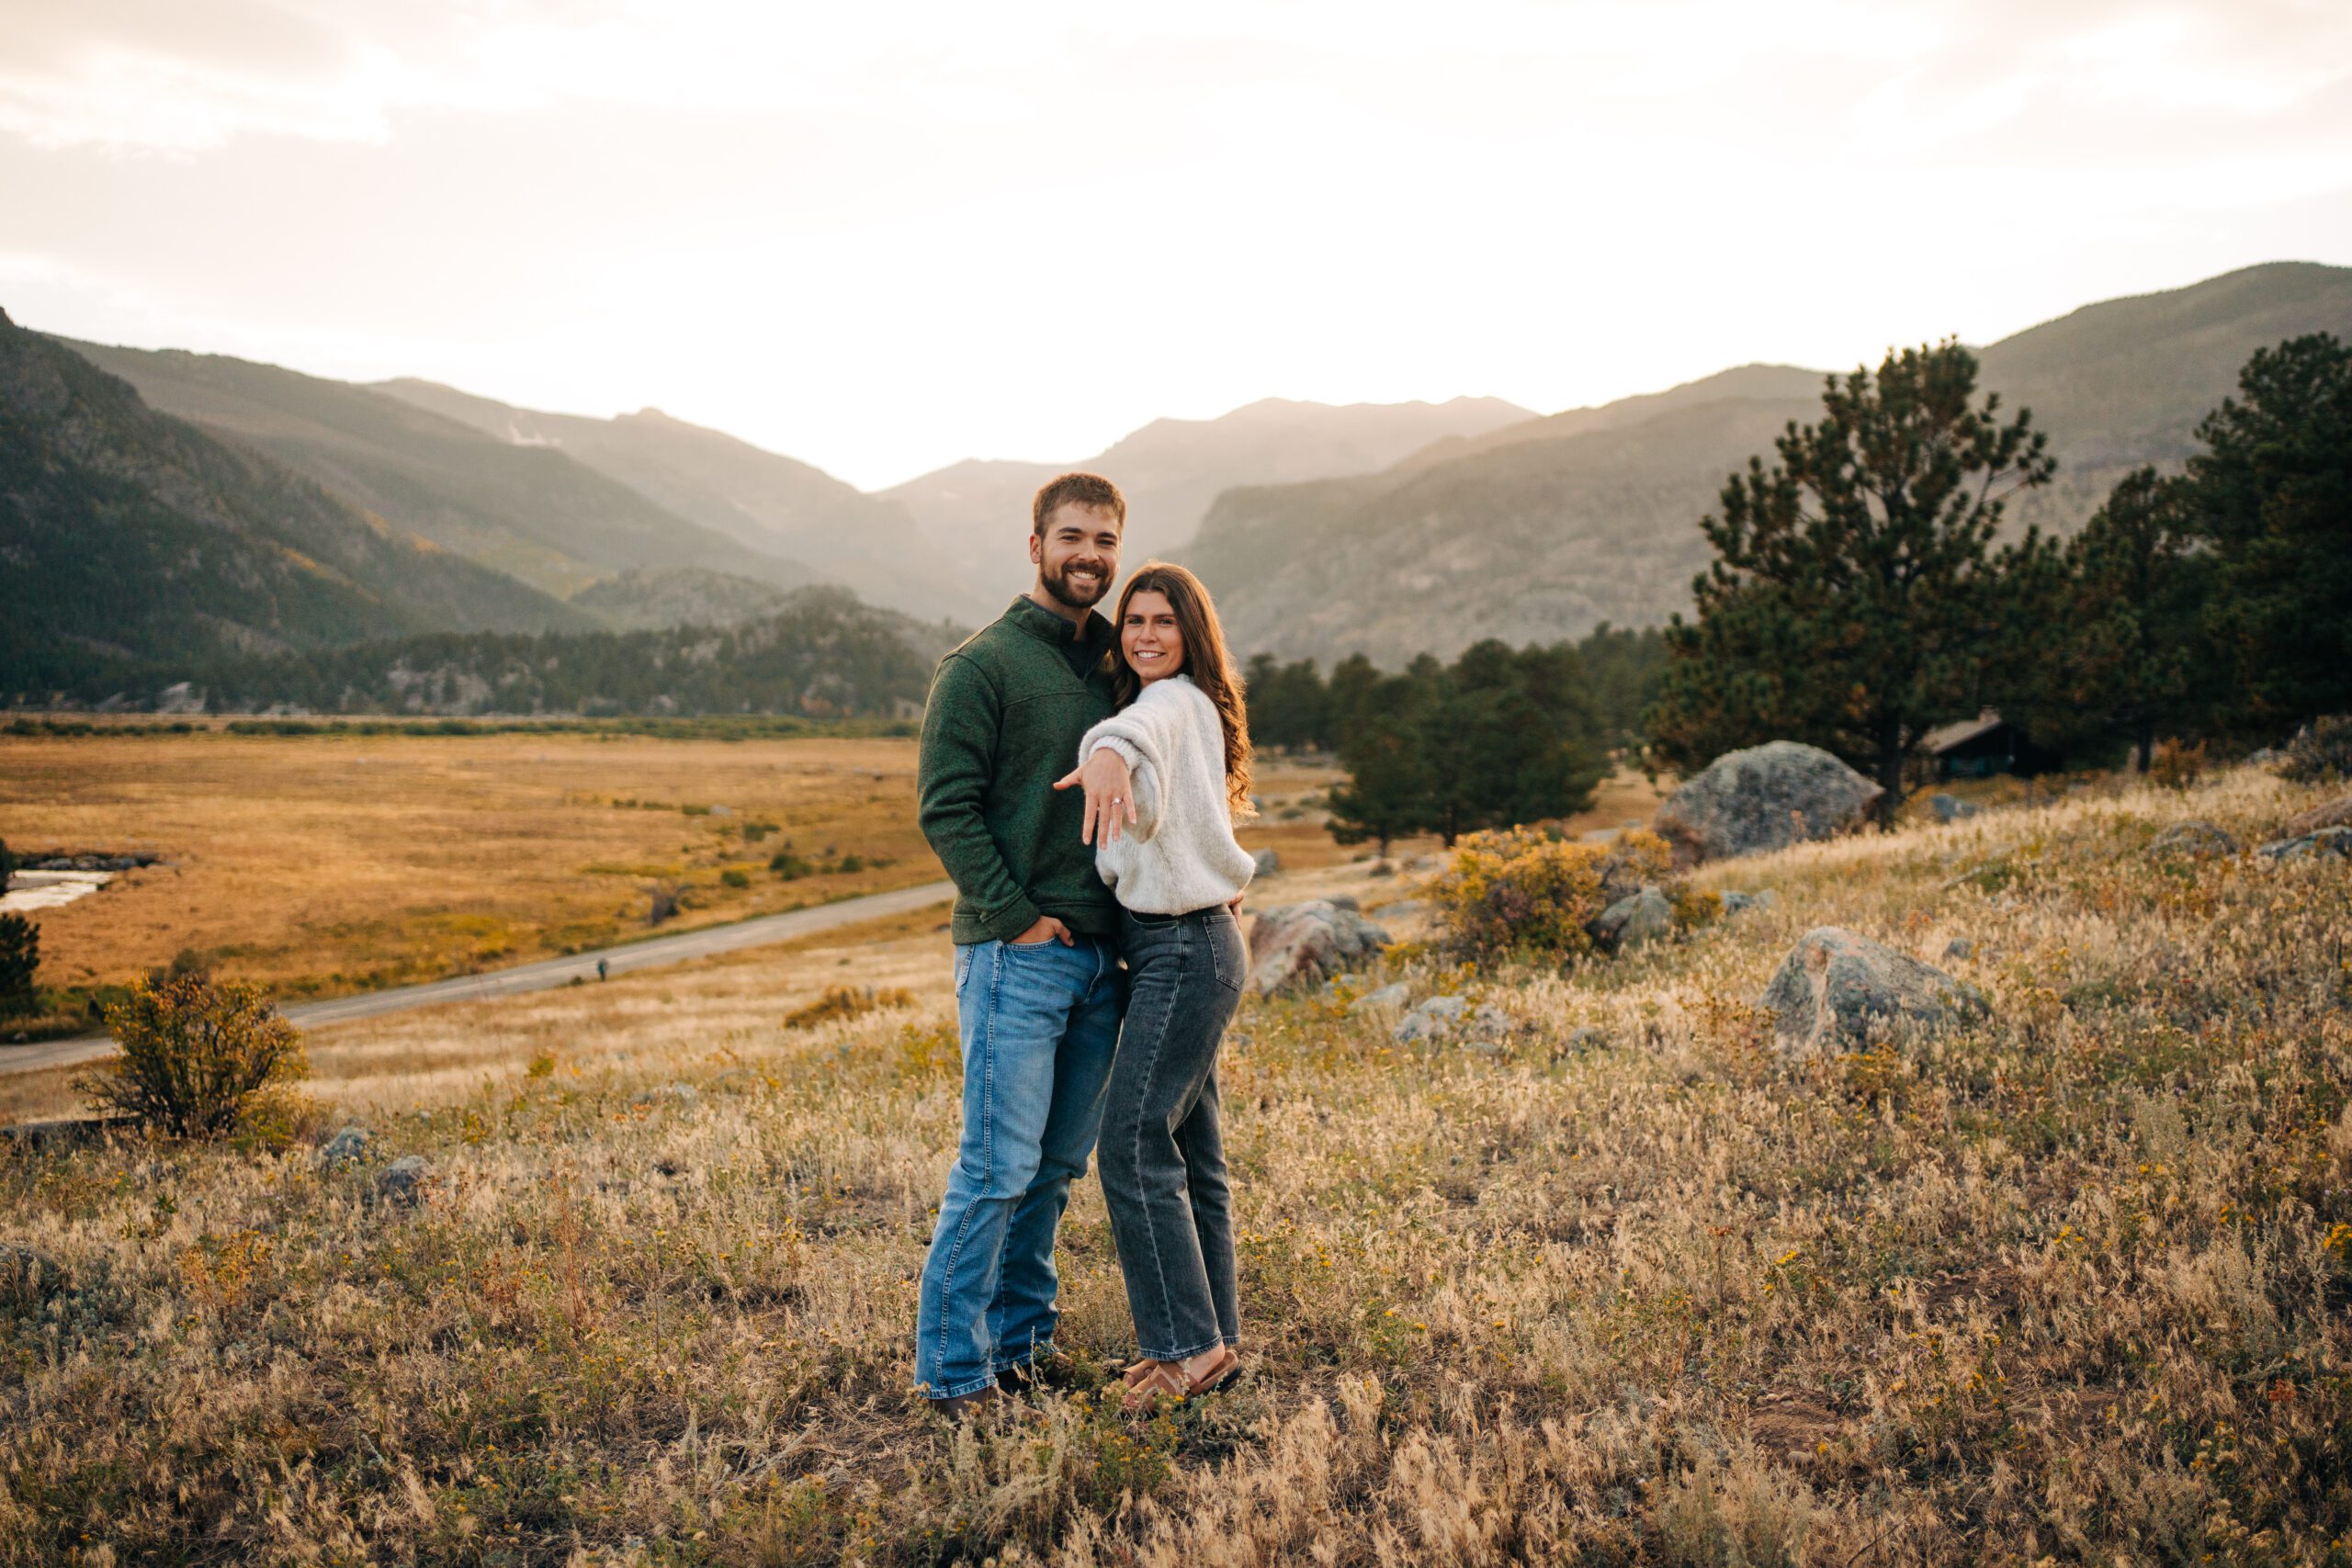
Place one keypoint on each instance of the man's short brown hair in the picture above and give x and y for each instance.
(1085, 490)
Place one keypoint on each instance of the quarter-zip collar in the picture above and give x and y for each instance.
(1083, 649)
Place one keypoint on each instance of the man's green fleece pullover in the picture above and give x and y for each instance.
(1007, 711)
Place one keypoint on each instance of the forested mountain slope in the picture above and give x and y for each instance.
(131, 540)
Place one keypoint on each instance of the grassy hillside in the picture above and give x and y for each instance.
(527, 511)
(2070, 1285)
(1171, 469)
(128, 538)
(1540, 529)
(769, 502)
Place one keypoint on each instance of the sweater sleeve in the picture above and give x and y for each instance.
(1147, 735)
(954, 768)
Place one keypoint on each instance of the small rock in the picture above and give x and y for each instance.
(403, 1181)
(2194, 837)
(1347, 901)
(1381, 868)
(2337, 813)
(1945, 807)
(1331, 986)
(1393, 994)
(1267, 862)
(2328, 842)
(1633, 922)
(2263, 755)
(1958, 948)
(1837, 990)
(1490, 1023)
(1585, 1037)
(1433, 1019)
(345, 1147)
(1420, 863)
(1739, 903)
(676, 1093)
(1403, 907)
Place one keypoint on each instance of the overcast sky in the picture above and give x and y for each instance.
(884, 237)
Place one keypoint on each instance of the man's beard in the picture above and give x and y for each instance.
(1077, 595)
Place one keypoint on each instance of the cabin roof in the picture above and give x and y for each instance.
(1944, 737)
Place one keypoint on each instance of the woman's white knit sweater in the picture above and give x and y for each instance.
(1180, 854)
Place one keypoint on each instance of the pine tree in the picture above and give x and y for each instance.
(1387, 793)
(1508, 738)
(1855, 599)
(2273, 496)
(19, 960)
(1350, 700)
(2133, 641)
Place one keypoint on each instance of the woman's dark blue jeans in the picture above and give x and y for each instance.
(1162, 1155)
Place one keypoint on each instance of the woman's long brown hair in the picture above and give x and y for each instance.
(1205, 660)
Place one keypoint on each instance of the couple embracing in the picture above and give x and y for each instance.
(1078, 780)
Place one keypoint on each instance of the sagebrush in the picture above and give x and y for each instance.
(198, 1055)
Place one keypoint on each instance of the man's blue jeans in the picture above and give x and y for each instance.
(1040, 1023)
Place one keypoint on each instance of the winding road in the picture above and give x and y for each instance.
(542, 975)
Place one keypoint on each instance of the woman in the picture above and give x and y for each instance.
(1166, 847)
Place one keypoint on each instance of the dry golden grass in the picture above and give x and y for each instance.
(2071, 1285)
(1292, 822)
(327, 864)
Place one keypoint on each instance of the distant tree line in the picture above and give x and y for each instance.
(1863, 593)
(1497, 737)
(829, 657)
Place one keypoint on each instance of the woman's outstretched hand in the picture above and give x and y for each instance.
(1110, 794)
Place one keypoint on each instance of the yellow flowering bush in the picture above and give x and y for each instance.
(1517, 889)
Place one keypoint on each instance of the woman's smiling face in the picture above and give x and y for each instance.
(1149, 638)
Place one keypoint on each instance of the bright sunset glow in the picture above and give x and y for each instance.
(881, 239)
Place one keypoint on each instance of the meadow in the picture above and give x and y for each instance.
(327, 864)
(2069, 1284)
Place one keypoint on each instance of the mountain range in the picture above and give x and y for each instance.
(164, 510)
(1173, 469)
(1538, 531)
(758, 499)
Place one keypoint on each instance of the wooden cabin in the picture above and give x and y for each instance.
(1980, 747)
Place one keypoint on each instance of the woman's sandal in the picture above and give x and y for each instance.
(1149, 1381)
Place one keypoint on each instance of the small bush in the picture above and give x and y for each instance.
(662, 903)
(1518, 890)
(735, 876)
(2322, 753)
(842, 1003)
(2177, 764)
(1637, 858)
(790, 866)
(198, 1056)
(19, 961)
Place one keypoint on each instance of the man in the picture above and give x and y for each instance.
(1037, 987)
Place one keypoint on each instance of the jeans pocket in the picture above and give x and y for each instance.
(964, 963)
(1228, 959)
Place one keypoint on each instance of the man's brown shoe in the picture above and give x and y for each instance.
(963, 1406)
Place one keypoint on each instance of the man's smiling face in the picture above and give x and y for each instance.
(1077, 555)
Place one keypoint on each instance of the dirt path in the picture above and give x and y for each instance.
(541, 975)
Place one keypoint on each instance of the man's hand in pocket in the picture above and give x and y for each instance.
(1048, 929)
